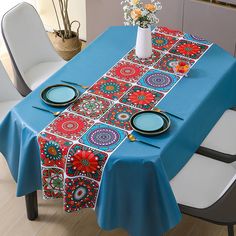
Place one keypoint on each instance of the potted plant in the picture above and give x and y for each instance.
(65, 41)
(143, 15)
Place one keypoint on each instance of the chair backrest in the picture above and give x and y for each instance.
(25, 38)
(7, 90)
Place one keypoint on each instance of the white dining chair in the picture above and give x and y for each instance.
(220, 144)
(9, 96)
(206, 188)
(32, 54)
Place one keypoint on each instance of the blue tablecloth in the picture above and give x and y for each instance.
(135, 193)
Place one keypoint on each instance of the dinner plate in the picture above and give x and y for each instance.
(150, 122)
(59, 95)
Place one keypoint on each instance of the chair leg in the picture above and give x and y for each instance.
(31, 202)
(230, 230)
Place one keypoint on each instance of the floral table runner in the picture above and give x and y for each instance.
(76, 146)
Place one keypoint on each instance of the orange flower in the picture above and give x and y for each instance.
(135, 2)
(150, 7)
(136, 13)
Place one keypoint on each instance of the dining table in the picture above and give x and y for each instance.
(126, 183)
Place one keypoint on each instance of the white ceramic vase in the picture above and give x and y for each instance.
(143, 48)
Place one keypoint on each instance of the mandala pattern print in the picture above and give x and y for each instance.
(70, 126)
(165, 30)
(196, 39)
(52, 181)
(119, 115)
(109, 88)
(53, 150)
(127, 71)
(85, 161)
(141, 98)
(158, 80)
(162, 42)
(156, 55)
(189, 49)
(90, 106)
(103, 137)
(166, 62)
(80, 193)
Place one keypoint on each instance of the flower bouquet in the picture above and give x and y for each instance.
(143, 15)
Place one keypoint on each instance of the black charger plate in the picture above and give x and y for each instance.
(59, 95)
(158, 130)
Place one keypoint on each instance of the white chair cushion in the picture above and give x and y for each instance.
(5, 107)
(30, 46)
(202, 181)
(222, 137)
(37, 74)
(26, 37)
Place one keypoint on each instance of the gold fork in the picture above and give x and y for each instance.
(132, 138)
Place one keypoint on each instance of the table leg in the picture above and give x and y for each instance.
(31, 202)
(230, 230)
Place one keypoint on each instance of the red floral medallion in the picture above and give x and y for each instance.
(142, 98)
(127, 71)
(189, 49)
(70, 126)
(85, 161)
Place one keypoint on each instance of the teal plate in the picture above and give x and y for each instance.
(150, 122)
(59, 95)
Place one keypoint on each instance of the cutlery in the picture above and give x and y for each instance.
(171, 114)
(132, 138)
(55, 113)
(73, 83)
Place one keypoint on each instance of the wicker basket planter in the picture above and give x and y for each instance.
(67, 48)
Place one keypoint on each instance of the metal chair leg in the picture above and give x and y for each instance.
(230, 230)
(31, 202)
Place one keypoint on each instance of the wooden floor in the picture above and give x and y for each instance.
(53, 221)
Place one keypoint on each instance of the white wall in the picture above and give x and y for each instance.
(101, 14)
(171, 14)
(77, 11)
